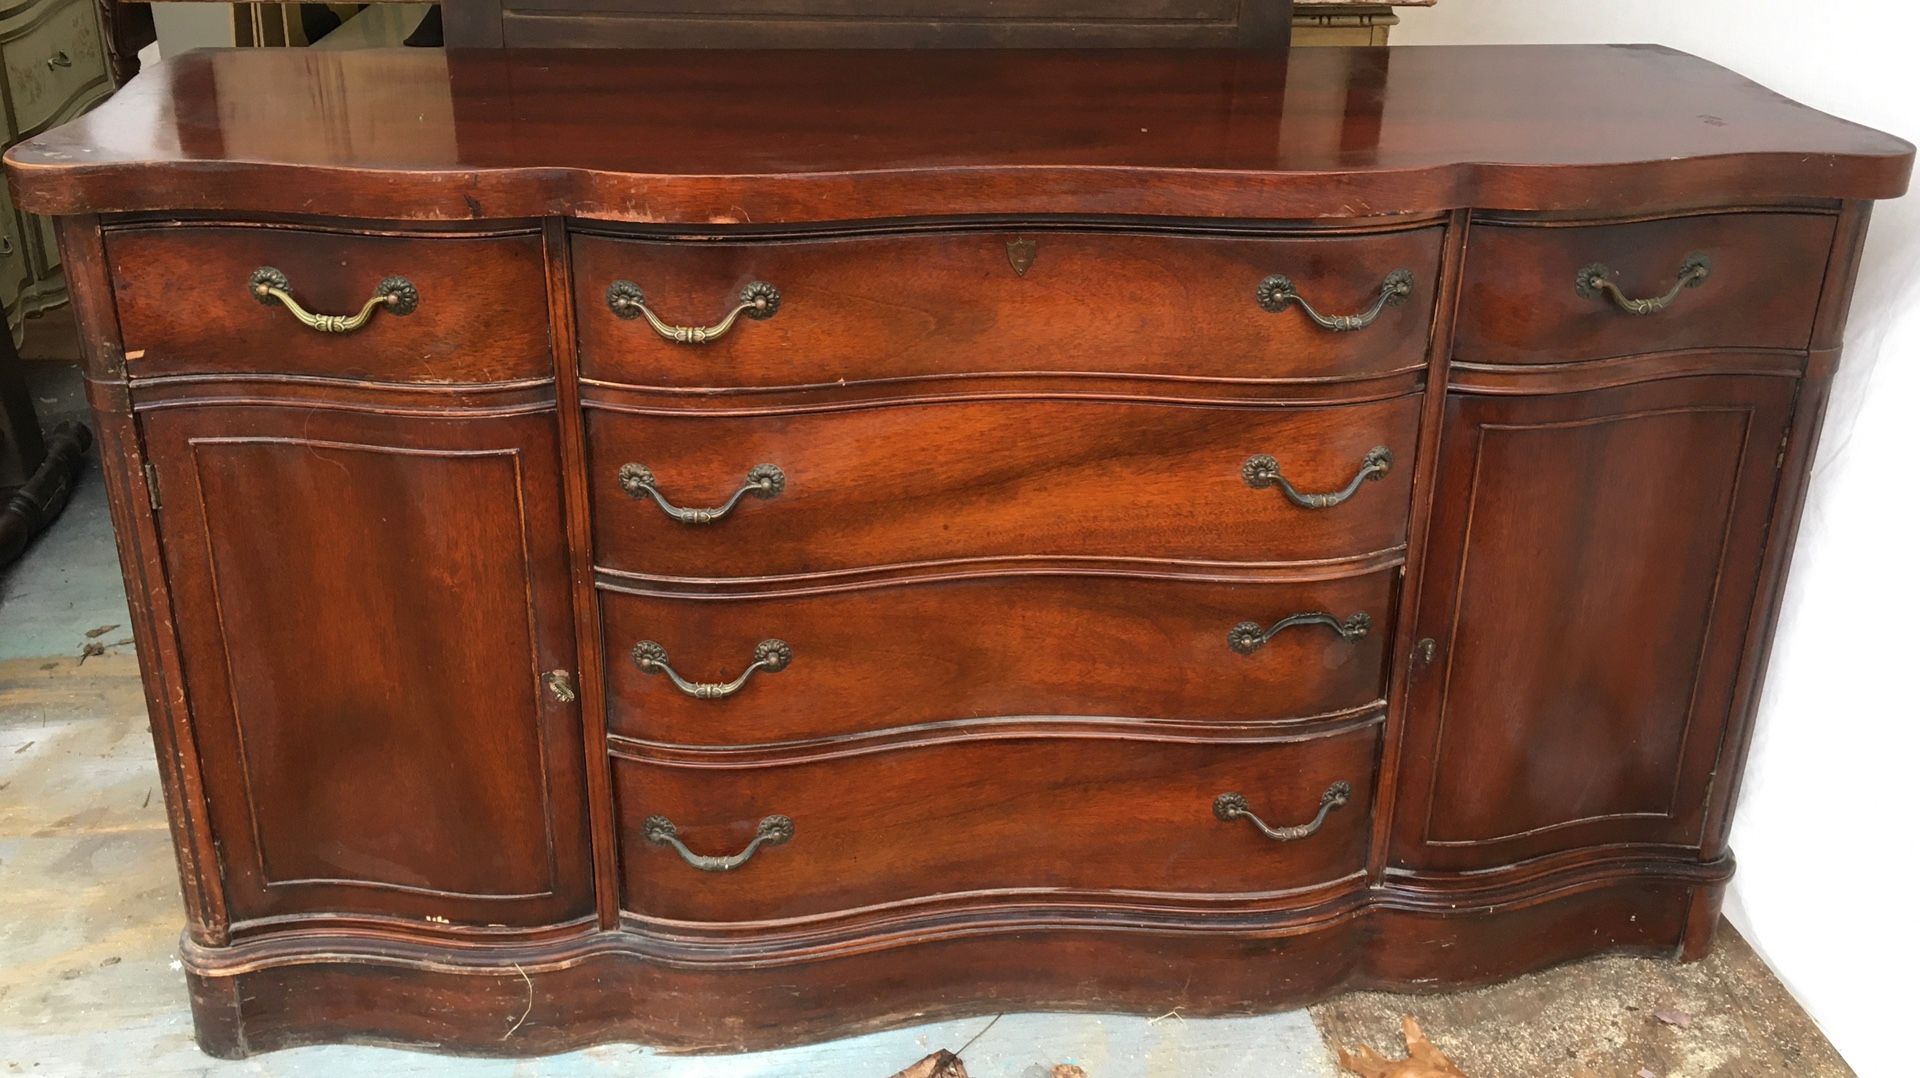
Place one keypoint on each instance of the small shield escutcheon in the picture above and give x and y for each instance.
(1020, 253)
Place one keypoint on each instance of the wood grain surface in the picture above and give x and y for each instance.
(937, 306)
(734, 138)
(386, 584)
(924, 485)
(972, 650)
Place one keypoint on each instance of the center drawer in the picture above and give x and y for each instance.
(728, 496)
(968, 302)
(793, 667)
(1034, 817)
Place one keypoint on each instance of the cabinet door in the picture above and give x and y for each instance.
(366, 607)
(1591, 569)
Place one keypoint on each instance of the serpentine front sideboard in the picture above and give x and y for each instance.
(723, 548)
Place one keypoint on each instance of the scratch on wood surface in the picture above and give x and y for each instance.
(518, 1022)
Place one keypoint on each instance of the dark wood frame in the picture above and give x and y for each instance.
(1266, 24)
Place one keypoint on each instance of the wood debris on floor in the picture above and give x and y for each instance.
(945, 1064)
(1618, 1016)
(1423, 1059)
(941, 1064)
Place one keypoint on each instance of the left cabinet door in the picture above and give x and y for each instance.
(368, 607)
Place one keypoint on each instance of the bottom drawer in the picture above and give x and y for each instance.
(1059, 812)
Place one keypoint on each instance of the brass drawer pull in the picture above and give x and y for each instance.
(773, 831)
(1230, 807)
(1263, 471)
(759, 300)
(1248, 637)
(394, 294)
(1597, 280)
(1277, 293)
(58, 60)
(763, 481)
(769, 655)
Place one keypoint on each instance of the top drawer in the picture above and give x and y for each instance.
(1734, 281)
(188, 303)
(908, 306)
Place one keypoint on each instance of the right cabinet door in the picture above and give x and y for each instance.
(1591, 570)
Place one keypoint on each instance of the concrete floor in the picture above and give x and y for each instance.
(89, 984)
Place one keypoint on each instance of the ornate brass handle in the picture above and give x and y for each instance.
(1597, 280)
(1248, 637)
(59, 59)
(394, 294)
(1277, 293)
(1263, 471)
(1230, 807)
(763, 481)
(759, 300)
(769, 655)
(773, 831)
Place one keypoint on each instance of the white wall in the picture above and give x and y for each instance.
(1825, 828)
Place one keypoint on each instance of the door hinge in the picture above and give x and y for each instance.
(153, 486)
(1780, 461)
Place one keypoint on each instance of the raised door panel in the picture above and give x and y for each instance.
(1593, 564)
(366, 610)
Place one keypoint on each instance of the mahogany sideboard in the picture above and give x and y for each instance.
(723, 548)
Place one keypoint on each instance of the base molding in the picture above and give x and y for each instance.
(603, 987)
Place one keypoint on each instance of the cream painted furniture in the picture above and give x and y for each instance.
(1343, 22)
(55, 63)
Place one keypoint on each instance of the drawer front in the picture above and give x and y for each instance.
(188, 304)
(53, 63)
(1738, 281)
(14, 272)
(870, 658)
(918, 484)
(1038, 818)
(939, 304)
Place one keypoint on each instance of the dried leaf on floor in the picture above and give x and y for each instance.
(941, 1064)
(1423, 1059)
(1677, 1019)
(101, 631)
(94, 647)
